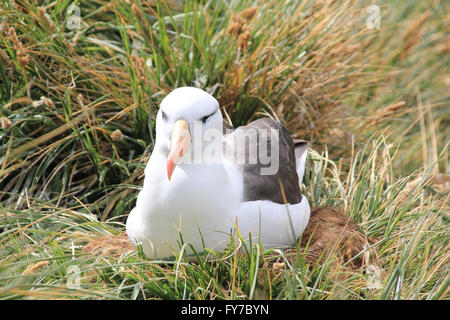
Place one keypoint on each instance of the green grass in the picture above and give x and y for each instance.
(373, 101)
(412, 249)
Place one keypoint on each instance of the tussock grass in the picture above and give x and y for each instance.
(42, 242)
(77, 108)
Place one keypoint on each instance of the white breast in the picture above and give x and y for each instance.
(204, 199)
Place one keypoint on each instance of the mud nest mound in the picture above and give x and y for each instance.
(330, 234)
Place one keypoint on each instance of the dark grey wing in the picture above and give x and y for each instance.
(275, 163)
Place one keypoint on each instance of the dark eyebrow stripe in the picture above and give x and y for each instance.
(206, 117)
(163, 115)
(212, 113)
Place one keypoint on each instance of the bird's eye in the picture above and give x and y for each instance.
(164, 115)
(205, 118)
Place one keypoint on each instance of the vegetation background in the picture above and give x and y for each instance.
(80, 84)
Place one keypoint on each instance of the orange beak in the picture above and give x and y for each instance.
(179, 144)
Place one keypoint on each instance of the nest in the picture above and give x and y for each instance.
(330, 234)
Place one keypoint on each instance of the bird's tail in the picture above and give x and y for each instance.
(301, 148)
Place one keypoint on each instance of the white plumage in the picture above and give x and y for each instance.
(201, 201)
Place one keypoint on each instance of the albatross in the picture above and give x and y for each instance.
(205, 181)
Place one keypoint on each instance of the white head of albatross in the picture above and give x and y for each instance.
(199, 200)
(183, 111)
